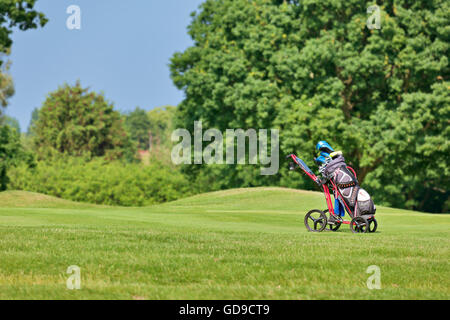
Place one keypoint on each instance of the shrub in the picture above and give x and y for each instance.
(102, 182)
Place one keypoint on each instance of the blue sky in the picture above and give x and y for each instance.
(122, 49)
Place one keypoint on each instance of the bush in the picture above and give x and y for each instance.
(102, 182)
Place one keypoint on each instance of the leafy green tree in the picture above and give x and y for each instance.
(13, 13)
(17, 13)
(20, 14)
(161, 125)
(153, 127)
(315, 71)
(9, 147)
(415, 146)
(137, 125)
(11, 154)
(75, 121)
(6, 86)
(10, 121)
(34, 118)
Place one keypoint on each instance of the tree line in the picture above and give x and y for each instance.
(315, 71)
(311, 69)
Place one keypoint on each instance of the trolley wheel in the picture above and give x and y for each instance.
(359, 225)
(315, 221)
(336, 225)
(373, 224)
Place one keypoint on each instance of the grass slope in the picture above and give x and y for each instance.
(23, 199)
(236, 244)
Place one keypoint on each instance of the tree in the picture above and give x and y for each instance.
(315, 71)
(13, 13)
(415, 146)
(17, 13)
(11, 153)
(137, 124)
(77, 122)
(13, 123)
(161, 125)
(34, 118)
(6, 86)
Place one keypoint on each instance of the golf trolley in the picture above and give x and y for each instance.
(317, 220)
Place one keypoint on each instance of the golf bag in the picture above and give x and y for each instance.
(355, 198)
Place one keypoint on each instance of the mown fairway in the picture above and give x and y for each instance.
(237, 244)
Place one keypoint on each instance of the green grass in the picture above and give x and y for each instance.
(236, 244)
